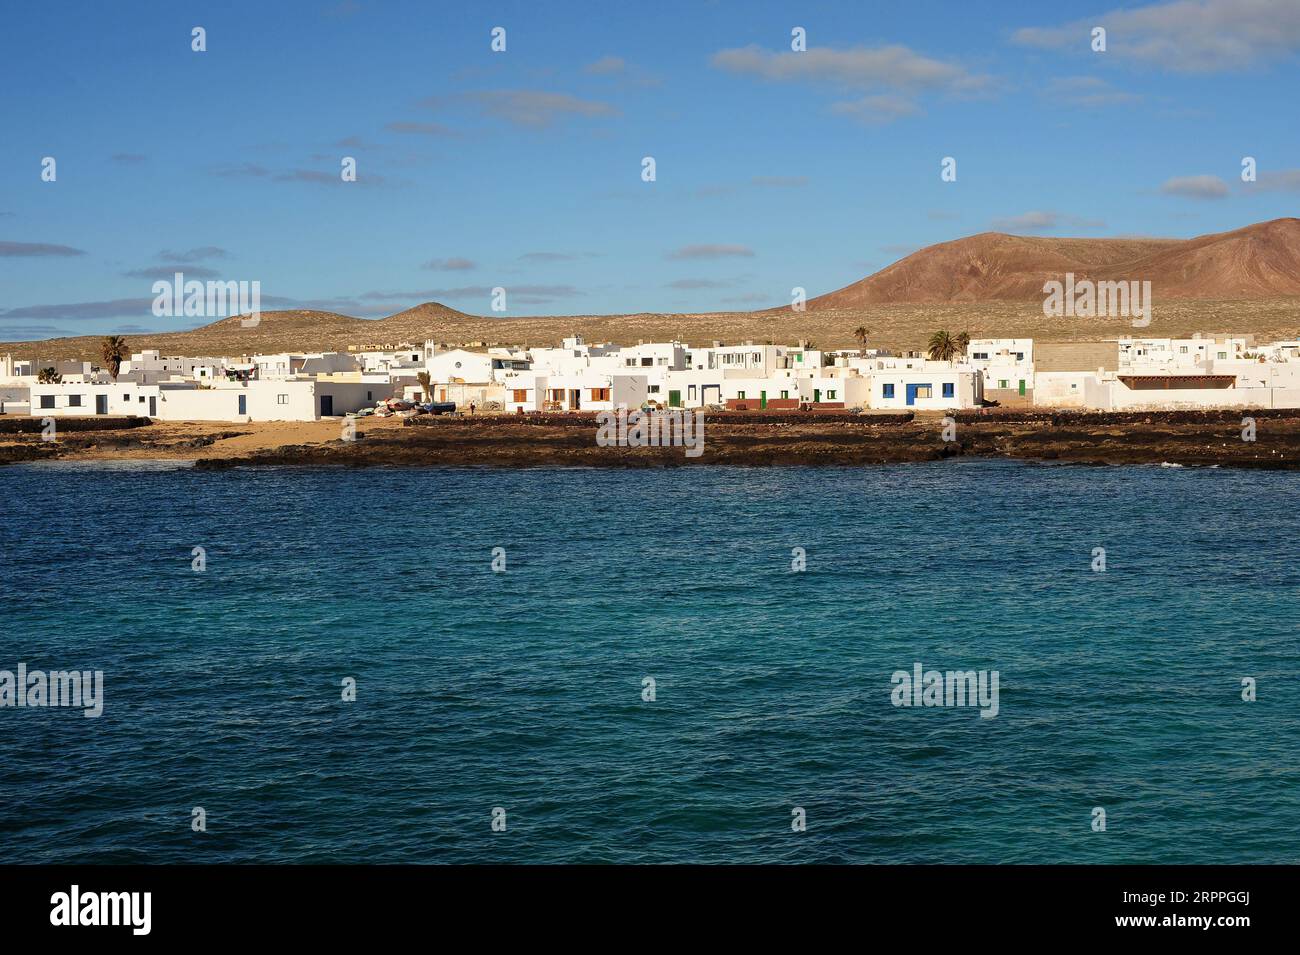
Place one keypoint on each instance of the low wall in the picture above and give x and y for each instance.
(1058, 418)
(33, 424)
(587, 419)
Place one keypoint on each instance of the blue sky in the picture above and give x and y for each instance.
(522, 169)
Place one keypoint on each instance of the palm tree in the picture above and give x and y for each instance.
(425, 383)
(48, 376)
(942, 346)
(113, 350)
(962, 342)
(860, 333)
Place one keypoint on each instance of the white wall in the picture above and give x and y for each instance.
(967, 389)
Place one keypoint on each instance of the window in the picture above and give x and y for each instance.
(799, 358)
(47, 401)
(653, 389)
(520, 395)
(142, 399)
(923, 391)
(600, 394)
(647, 362)
(949, 389)
(1002, 382)
(981, 355)
(74, 401)
(887, 391)
(281, 399)
(740, 395)
(830, 395)
(369, 396)
(1183, 350)
(784, 395)
(1223, 354)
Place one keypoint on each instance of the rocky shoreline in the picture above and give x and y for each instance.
(1193, 439)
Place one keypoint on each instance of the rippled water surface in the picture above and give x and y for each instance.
(522, 689)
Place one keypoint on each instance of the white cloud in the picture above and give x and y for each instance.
(1042, 220)
(1186, 36)
(889, 77)
(534, 108)
(893, 67)
(1196, 187)
(1088, 92)
(711, 252)
(1281, 180)
(880, 108)
(450, 265)
(606, 65)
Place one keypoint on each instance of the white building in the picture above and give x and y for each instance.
(302, 399)
(587, 391)
(1007, 365)
(1156, 354)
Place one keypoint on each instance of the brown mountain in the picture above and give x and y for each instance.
(1259, 261)
(989, 285)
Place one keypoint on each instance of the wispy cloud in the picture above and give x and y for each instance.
(1195, 187)
(548, 257)
(606, 65)
(1088, 92)
(239, 170)
(78, 311)
(527, 294)
(876, 109)
(14, 250)
(1044, 221)
(14, 333)
(780, 181)
(536, 109)
(618, 68)
(255, 171)
(890, 77)
(1185, 36)
(450, 265)
(711, 252)
(166, 272)
(1280, 180)
(696, 284)
(749, 298)
(420, 129)
(199, 254)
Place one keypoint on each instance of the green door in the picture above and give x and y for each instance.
(817, 395)
(762, 399)
(1022, 387)
(674, 399)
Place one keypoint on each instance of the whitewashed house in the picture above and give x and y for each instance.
(1007, 365)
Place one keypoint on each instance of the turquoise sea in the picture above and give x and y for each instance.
(523, 689)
